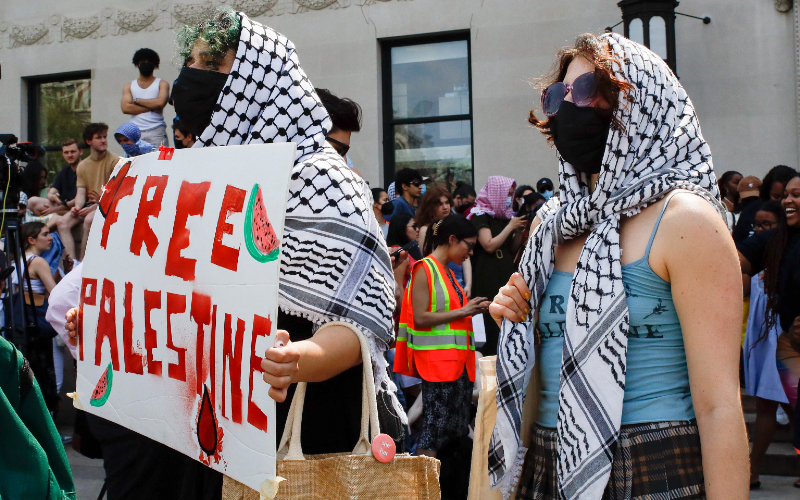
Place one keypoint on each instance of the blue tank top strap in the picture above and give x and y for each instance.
(655, 228)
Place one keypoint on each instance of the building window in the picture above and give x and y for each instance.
(427, 108)
(58, 108)
(652, 23)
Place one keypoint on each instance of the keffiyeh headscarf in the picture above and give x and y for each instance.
(659, 149)
(132, 132)
(335, 264)
(492, 198)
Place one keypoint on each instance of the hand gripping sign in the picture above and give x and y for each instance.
(179, 298)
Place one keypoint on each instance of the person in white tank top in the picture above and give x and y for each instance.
(144, 99)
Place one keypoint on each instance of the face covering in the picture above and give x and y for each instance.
(548, 194)
(194, 94)
(146, 68)
(580, 136)
(131, 149)
(387, 208)
(509, 200)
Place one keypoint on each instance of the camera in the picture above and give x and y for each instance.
(14, 152)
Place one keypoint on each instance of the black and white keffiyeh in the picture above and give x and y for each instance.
(335, 265)
(659, 149)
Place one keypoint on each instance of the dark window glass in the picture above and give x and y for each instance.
(58, 110)
(427, 108)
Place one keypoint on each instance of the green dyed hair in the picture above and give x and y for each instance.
(220, 32)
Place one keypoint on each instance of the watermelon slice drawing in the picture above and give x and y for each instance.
(259, 236)
(103, 388)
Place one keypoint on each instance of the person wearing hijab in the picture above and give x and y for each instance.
(242, 84)
(493, 261)
(630, 287)
(129, 137)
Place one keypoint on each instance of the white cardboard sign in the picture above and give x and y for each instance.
(179, 302)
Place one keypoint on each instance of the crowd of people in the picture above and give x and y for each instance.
(618, 289)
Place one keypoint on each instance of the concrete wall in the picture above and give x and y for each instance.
(739, 70)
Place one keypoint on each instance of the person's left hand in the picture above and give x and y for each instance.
(280, 365)
(71, 326)
(83, 212)
(49, 210)
(93, 196)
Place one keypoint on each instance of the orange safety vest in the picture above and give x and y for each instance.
(437, 353)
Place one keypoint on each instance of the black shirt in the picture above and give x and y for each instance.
(66, 183)
(789, 279)
(332, 411)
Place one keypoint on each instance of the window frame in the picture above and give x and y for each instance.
(387, 119)
(33, 83)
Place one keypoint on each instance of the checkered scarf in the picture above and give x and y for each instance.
(335, 265)
(660, 149)
(492, 198)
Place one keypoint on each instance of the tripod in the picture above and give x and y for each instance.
(13, 246)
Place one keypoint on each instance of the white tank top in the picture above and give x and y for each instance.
(150, 119)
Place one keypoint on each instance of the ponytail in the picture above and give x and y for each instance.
(440, 231)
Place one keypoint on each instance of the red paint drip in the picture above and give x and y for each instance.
(207, 425)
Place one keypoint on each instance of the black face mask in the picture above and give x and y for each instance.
(194, 95)
(580, 135)
(387, 208)
(146, 68)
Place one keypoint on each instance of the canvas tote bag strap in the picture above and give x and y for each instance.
(290, 447)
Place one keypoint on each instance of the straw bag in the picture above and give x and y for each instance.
(345, 476)
(485, 419)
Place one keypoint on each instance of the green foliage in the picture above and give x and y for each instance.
(220, 33)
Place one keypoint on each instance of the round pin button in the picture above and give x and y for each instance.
(383, 448)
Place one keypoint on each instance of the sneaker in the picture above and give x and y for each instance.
(782, 417)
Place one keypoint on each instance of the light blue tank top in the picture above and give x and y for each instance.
(657, 379)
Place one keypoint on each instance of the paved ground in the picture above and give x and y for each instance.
(774, 488)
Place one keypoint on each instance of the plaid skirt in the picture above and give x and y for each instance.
(652, 461)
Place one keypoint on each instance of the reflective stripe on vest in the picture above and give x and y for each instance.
(439, 336)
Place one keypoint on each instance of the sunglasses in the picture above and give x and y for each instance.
(416, 183)
(339, 146)
(583, 93)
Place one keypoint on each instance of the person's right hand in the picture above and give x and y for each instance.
(517, 222)
(475, 306)
(71, 325)
(49, 210)
(794, 334)
(280, 365)
(75, 210)
(511, 301)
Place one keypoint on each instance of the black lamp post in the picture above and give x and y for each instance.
(651, 23)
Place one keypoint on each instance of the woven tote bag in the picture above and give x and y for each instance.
(345, 476)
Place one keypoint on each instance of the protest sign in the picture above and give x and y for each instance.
(179, 302)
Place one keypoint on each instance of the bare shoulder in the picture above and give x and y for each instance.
(127, 87)
(164, 84)
(695, 231)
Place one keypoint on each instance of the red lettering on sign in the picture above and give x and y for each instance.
(111, 188)
(152, 300)
(176, 304)
(261, 328)
(107, 325)
(232, 358)
(201, 315)
(133, 359)
(191, 201)
(222, 255)
(125, 189)
(213, 350)
(142, 232)
(90, 285)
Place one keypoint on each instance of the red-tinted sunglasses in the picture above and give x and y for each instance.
(583, 93)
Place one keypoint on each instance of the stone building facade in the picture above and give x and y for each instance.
(479, 57)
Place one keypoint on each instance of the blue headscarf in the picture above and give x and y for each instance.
(132, 132)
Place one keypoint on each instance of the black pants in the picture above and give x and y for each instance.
(139, 468)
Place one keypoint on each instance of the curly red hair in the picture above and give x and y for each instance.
(609, 87)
